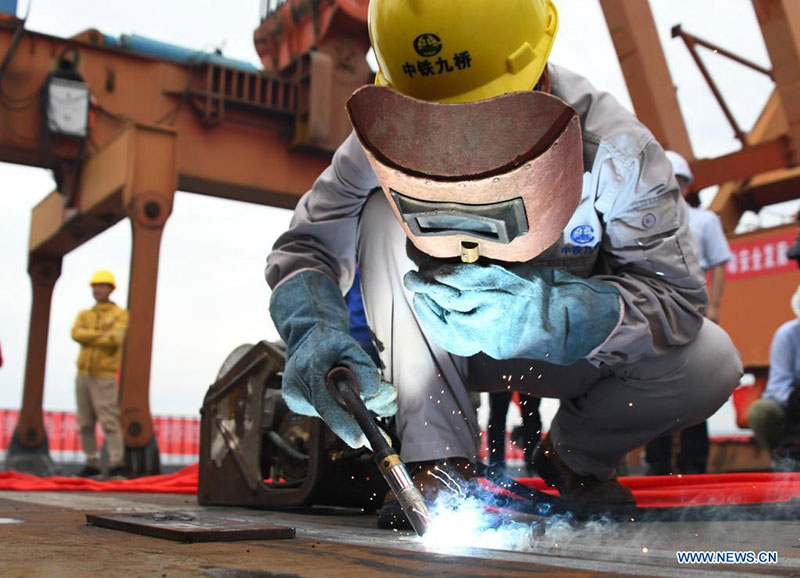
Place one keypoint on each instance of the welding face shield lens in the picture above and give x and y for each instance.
(501, 222)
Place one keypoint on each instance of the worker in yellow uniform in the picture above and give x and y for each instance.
(101, 333)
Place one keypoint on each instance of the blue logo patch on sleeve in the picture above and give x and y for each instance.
(582, 234)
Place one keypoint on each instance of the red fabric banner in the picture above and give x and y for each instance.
(181, 482)
(762, 256)
(652, 491)
(703, 490)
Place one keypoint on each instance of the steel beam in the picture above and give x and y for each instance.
(644, 67)
(44, 273)
(246, 157)
(780, 26)
(147, 197)
(746, 163)
(56, 230)
(298, 27)
(768, 186)
(773, 187)
(149, 135)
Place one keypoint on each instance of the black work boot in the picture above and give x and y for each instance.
(585, 495)
(117, 473)
(89, 471)
(427, 476)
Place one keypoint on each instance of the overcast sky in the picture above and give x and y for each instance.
(212, 295)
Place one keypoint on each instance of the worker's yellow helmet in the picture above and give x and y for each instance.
(103, 276)
(464, 51)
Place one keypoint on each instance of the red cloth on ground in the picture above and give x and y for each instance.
(652, 491)
(704, 490)
(181, 482)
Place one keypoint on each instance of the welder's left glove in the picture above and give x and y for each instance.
(536, 313)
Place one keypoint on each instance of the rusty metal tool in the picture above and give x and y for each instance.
(343, 386)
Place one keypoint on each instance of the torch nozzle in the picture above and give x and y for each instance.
(408, 495)
(343, 387)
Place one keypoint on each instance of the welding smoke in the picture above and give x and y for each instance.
(467, 515)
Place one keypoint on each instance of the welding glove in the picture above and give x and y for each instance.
(537, 313)
(312, 318)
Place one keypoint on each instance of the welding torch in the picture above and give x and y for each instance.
(344, 388)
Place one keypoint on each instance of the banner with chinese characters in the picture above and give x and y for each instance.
(760, 256)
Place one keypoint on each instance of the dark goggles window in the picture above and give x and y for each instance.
(501, 222)
(450, 222)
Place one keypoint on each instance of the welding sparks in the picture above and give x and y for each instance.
(451, 483)
(463, 517)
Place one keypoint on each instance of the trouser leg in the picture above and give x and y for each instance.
(658, 454)
(695, 447)
(607, 412)
(767, 419)
(531, 424)
(644, 400)
(498, 414)
(435, 418)
(86, 419)
(106, 406)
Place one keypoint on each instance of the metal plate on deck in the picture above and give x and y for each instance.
(192, 527)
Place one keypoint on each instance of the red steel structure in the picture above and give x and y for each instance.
(158, 126)
(764, 172)
(262, 137)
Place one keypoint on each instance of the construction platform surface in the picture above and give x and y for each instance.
(45, 534)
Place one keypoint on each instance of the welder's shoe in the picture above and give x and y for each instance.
(89, 472)
(585, 495)
(431, 478)
(659, 470)
(117, 473)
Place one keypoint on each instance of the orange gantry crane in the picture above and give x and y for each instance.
(154, 125)
(763, 172)
(206, 125)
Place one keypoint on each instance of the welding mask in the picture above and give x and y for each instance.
(497, 178)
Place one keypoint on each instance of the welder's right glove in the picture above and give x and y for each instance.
(528, 312)
(312, 318)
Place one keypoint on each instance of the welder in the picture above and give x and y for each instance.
(516, 228)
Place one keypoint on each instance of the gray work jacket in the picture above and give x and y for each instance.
(630, 229)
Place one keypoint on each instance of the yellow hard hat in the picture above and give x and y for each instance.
(445, 51)
(103, 276)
